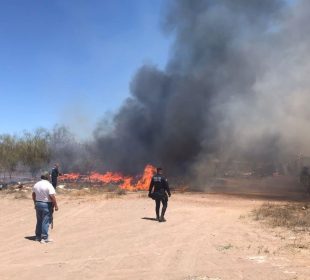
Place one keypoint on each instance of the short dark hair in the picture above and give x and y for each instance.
(159, 169)
(45, 175)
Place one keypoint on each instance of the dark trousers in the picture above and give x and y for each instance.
(164, 208)
(54, 183)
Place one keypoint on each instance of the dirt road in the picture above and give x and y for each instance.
(205, 237)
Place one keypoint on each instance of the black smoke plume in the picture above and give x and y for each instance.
(235, 87)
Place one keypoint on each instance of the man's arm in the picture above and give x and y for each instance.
(58, 173)
(54, 201)
(151, 186)
(167, 187)
(34, 198)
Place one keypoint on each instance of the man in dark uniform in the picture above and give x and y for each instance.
(160, 194)
(54, 174)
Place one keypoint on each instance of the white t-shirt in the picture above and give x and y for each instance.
(43, 189)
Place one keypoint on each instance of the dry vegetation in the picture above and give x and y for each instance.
(294, 216)
(108, 192)
(16, 193)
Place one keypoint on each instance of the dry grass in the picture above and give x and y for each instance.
(16, 193)
(115, 194)
(108, 193)
(121, 192)
(9, 191)
(143, 194)
(22, 195)
(182, 189)
(299, 243)
(294, 216)
(224, 247)
(94, 191)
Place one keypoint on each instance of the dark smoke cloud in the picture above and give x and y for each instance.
(235, 87)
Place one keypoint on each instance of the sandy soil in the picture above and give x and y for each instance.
(205, 237)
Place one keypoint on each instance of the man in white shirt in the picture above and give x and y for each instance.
(43, 196)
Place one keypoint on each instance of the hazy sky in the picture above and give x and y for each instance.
(71, 61)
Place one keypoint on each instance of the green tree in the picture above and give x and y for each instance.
(9, 153)
(34, 150)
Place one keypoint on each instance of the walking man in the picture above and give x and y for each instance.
(55, 173)
(160, 193)
(43, 196)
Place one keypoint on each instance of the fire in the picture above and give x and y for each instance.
(70, 177)
(144, 182)
(125, 182)
(108, 177)
(127, 185)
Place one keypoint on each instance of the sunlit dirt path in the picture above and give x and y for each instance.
(206, 236)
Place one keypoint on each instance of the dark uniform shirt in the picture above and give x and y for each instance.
(54, 175)
(160, 185)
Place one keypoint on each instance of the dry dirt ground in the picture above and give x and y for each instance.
(206, 236)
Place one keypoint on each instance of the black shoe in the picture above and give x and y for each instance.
(162, 219)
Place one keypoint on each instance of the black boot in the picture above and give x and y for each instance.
(157, 210)
(162, 217)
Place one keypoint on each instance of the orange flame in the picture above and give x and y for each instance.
(144, 182)
(106, 178)
(70, 177)
(126, 182)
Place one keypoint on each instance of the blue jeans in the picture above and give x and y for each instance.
(44, 218)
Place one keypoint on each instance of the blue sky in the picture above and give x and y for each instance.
(71, 61)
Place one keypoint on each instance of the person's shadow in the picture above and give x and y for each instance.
(31, 238)
(150, 219)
